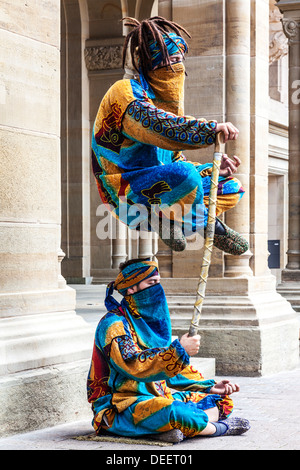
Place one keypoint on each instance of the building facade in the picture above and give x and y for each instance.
(59, 59)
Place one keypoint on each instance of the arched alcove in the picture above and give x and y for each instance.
(74, 142)
(92, 36)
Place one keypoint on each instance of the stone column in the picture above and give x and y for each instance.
(45, 347)
(146, 245)
(238, 18)
(290, 286)
(119, 251)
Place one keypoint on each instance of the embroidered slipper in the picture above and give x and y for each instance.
(230, 241)
(235, 426)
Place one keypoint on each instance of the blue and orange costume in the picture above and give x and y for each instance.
(139, 134)
(135, 364)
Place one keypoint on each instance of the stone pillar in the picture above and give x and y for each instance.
(119, 252)
(238, 18)
(245, 324)
(45, 347)
(290, 286)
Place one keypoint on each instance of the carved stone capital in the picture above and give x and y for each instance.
(291, 29)
(103, 57)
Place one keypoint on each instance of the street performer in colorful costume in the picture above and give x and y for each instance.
(135, 364)
(139, 134)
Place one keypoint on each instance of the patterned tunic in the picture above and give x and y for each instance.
(137, 159)
(129, 386)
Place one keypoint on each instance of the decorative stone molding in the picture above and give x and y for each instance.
(278, 42)
(291, 29)
(103, 57)
(278, 46)
(61, 280)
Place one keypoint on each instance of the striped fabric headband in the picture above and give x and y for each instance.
(134, 274)
(175, 44)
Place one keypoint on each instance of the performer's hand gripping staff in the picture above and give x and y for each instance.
(210, 232)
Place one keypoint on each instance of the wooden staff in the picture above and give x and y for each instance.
(210, 233)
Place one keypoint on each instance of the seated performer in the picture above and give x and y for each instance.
(139, 133)
(135, 364)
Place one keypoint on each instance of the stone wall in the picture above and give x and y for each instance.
(39, 330)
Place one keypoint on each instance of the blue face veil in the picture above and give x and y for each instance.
(147, 310)
(149, 315)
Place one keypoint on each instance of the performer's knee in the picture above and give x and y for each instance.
(188, 418)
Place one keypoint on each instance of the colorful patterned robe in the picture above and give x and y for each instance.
(129, 386)
(137, 159)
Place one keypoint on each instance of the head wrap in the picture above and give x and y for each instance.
(146, 310)
(175, 45)
(130, 276)
(134, 274)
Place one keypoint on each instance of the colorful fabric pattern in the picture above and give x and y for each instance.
(183, 130)
(134, 366)
(136, 155)
(126, 381)
(134, 274)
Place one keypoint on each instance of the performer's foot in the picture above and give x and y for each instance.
(176, 239)
(235, 426)
(225, 238)
(228, 240)
(175, 436)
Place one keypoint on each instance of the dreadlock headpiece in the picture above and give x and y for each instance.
(151, 42)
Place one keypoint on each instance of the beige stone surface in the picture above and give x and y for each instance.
(29, 187)
(38, 324)
(204, 23)
(204, 89)
(31, 80)
(32, 19)
(244, 323)
(28, 256)
(20, 303)
(41, 340)
(39, 399)
(291, 27)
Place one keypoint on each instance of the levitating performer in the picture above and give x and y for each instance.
(139, 134)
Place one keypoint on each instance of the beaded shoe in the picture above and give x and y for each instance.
(235, 426)
(230, 241)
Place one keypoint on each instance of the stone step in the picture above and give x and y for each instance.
(205, 365)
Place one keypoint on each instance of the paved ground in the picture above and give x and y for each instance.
(271, 404)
